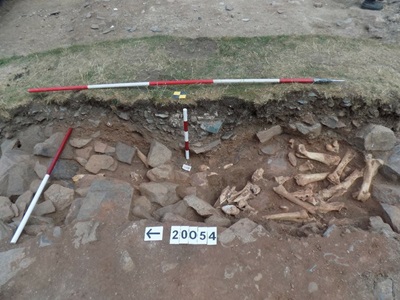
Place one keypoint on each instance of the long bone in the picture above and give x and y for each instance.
(334, 177)
(330, 160)
(340, 189)
(304, 179)
(372, 166)
(289, 216)
(280, 190)
(334, 147)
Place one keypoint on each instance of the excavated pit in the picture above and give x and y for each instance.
(304, 118)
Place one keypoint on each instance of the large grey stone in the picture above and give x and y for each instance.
(65, 169)
(143, 202)
(107, 198)
(6, 213)
(124, 153)
(179, 208)
(61, 197)
(100, 147)
(40, 170)
(79, 142)
(161, 193)
(218, 220)
(5, 231)
(142, 213)
(44, 208)
(16, 173)
(161, 173)
(377, 225)
(386, 193)
(266, 135)
(23, 200)
(159, 154)
(50, 146)
(29, 137)
(375, 138)
(173, 218)
(84, 153)
(384, 290)
(391, 169)
(205, 148)
(392, 216)
(11, 262)
(73, 211)
(245, 230)
(203, 208)
(97, 163)
(308, 131)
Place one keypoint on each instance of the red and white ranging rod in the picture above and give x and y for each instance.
(186, 132)
(181, 82)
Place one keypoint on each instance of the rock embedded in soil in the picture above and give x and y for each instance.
(65, 169)
(384, 290)
(85, 232)
(217, 220)
(332, 122)
(203, 208)
(12, 262)
(377, 225)
(161, 173)
(386, 193)
(40, 170)
(124, 153)
(266, 135)
(205, 148)
(308, 131)
(97, 163)
(6, 213)
(23, 200)
(84, 153)
(61, 197)
(391, 169)
(245, 230)
(161, 193)
(392, 215)
(79, 143)
(103, 148)
(158, 155)
(180, 208)
(140, 212)
(5, 231)
(173, 218)
(143, 202)
(375, 138)
(44, 208)
(50, 146)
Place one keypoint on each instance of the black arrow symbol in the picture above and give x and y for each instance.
(149, 232)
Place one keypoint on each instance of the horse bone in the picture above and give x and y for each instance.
(230, 210)
(292, 159)
(307, 166)
(369, 173)
(257, 175)
(306, 195)
(304, 179)
(280, 190)
(334, 147)
(334, 177)
(226, 195)
(330, 160)
(325, 207)
(340, 189)
(302, 214)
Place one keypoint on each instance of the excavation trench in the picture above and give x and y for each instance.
(225, 132)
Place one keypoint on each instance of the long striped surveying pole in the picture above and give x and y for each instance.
(186, 132)
(35, 199)
(181, 82)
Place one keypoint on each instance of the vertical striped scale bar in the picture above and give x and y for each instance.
(186, 132)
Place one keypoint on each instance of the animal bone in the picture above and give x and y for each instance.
(229, 194)
(304, 179)
(281, 179)
(204, 168)
(230, 210)
(334, 147)
(334, 177)
(330, 160)
(257, 175)
(142, 157)
(302, 214)
(291, 143)
(292, 159)
(306, 195)
(369, 173)
(307, 166)
(325, 207)
(340, 189)
(226, 195)
(280, 190)
(284, 207)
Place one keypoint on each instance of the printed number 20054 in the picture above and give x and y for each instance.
(193, 235)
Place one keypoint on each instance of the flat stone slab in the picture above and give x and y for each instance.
(245, 230)
(205, 148)
(11, 262)
(159, 154)
(97, 163)
(79, 142)
(61, 197)
(266, 135)
(375, 138)
(161, 193)
(392, 215)
(203, 208)
(50, 146)
(124, 153)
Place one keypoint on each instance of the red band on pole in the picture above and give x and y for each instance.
(296, 80)
(59, 151)
(187, 146)
(185, 126)
(177, 82)
(58, 88)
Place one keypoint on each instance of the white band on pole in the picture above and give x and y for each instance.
(30, 209)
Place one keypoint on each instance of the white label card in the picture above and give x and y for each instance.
(212, 236)
(174, 238)
(184, 235)
(193, 235)
(153, 233)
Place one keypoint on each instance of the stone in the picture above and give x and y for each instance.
(271, 149)
(377, 225)
(40, 170)
(181, 176)
(44, 241)
(312, 287)
(266, 135)
(23, 200)
(386, 193)
(277, 167)
(142, 213)
(126, 262)
(375, 138)
(203, 208)
(61, 197)
(39, 220)
(29, 137)
(50, 146)
(217, 220)
(84, 153)
(155, 29)
(35, 230)
(9, 145)
(211, 126)
(309, 131)
(34, 186)
(384, 290)
(161, 173)
(44, 208)
(103, 148)
(97, 163)
(180, 208)
(16, 173)
(85, 232)
(81, 161)
(199, 179)
(391, 169)
(245, 230)
(173, 218)
(124, 153)
(73, 211)
(79, 143)
(57, 231)
(65, 169)
(107, 199)
(6, 213)
(158, 154)
(12, 262)
(161, 193)
(332, 122)
(392, 216)
(228, 7)
(122, 115)
(143, 202)
(205, 148)
(5, 231)
(184, 191)
(94, 26)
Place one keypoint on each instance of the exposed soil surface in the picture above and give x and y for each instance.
(274, 259)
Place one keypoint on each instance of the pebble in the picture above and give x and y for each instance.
(312, 287)
(155, 29)
(95, 26)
